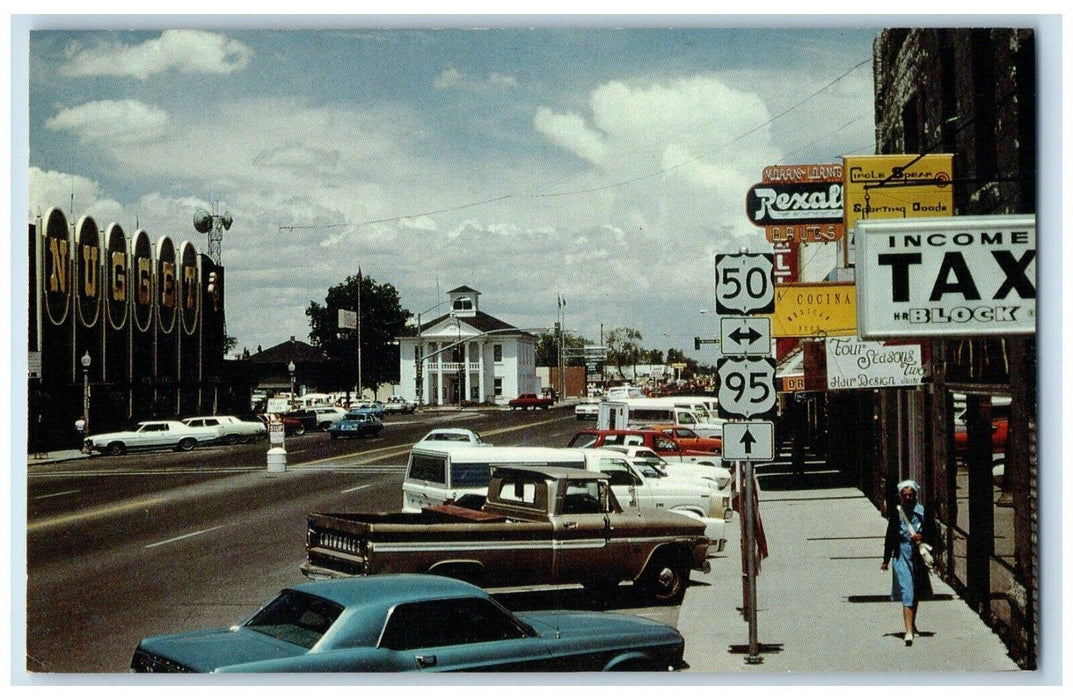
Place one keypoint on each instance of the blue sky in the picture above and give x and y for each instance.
(606, 166)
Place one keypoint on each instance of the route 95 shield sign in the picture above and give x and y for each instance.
(745, 284)
(746, 387)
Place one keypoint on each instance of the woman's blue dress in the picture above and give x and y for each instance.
(909, 576)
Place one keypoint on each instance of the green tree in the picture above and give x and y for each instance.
(382, 320)
(675, 356)
(623, 349)
(547, 349)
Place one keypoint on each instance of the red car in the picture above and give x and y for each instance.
(689, 440)
(527, 401)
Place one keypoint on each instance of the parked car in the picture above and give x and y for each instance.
(152, 435)
(326, 415)
(356, 423)
(451, 437)
(587, 410)
(291, 424)
(307, 420)
(411, 622)
(375, 407)
(689, 440)
(231, 429)
(530, 401)
(397, 404)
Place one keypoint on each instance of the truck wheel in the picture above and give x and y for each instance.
(665, 579)
(116, 448)
(186, 444)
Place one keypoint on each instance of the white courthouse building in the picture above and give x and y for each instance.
(468, 355)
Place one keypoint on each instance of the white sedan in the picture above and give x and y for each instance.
(587, 410)
(152, 434)
(450, 437)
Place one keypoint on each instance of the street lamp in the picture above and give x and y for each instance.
(86, 360)
(290, 368)
(418, 359)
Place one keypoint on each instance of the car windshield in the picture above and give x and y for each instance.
(295, 617)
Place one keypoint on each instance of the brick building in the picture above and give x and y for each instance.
(971, 93)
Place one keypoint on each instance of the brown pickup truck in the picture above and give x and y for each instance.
(537, 526)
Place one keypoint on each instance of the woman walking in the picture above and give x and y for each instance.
(906, 527)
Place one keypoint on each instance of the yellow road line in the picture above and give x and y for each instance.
(87, 515)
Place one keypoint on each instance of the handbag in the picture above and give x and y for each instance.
(923, 547)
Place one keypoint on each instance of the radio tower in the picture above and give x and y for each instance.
(214, 225)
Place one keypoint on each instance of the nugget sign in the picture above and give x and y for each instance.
(956, 276)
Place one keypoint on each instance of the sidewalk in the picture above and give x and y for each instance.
(824, 605)
(54, 456)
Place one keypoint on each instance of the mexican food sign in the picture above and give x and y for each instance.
(815, 309)
(951, 276)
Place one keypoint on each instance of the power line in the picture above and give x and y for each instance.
(612, 185)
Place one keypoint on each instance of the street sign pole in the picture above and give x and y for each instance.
(753, 657)
(745, 288)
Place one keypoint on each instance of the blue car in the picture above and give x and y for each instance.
(359, 422)
(411, 622)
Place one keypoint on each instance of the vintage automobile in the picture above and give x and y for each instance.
(411, 622)
(530, 401)
(690, 440)
(306, 421)
(152, 435)
(587, 410)
(451, 436)
(397, 404)
(356, 423)
(537, 526)
(291, 424)
(326, 415)
(231, 429)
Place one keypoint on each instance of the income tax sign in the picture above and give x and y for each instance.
(950, 276)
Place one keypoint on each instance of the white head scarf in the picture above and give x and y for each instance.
(909, 483)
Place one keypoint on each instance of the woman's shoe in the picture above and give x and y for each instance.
(908, 639)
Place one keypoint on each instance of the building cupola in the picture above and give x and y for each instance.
(464, 302)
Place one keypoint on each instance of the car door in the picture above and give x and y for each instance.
(150, 435)
(462, 634)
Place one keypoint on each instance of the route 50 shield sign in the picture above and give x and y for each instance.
(746, 387)
(745, 284)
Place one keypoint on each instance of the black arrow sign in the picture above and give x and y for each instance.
(748, 440)
(751, 336)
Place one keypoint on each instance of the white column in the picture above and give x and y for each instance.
(465, 372)
(481, 349)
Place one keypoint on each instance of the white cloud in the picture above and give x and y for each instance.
(116, 123)
(569, 131)
(183, 50)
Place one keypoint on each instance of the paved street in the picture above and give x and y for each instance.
(824, 604)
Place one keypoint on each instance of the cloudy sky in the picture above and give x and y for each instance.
(603, 166)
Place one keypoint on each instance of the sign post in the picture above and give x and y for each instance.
(745, 285)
